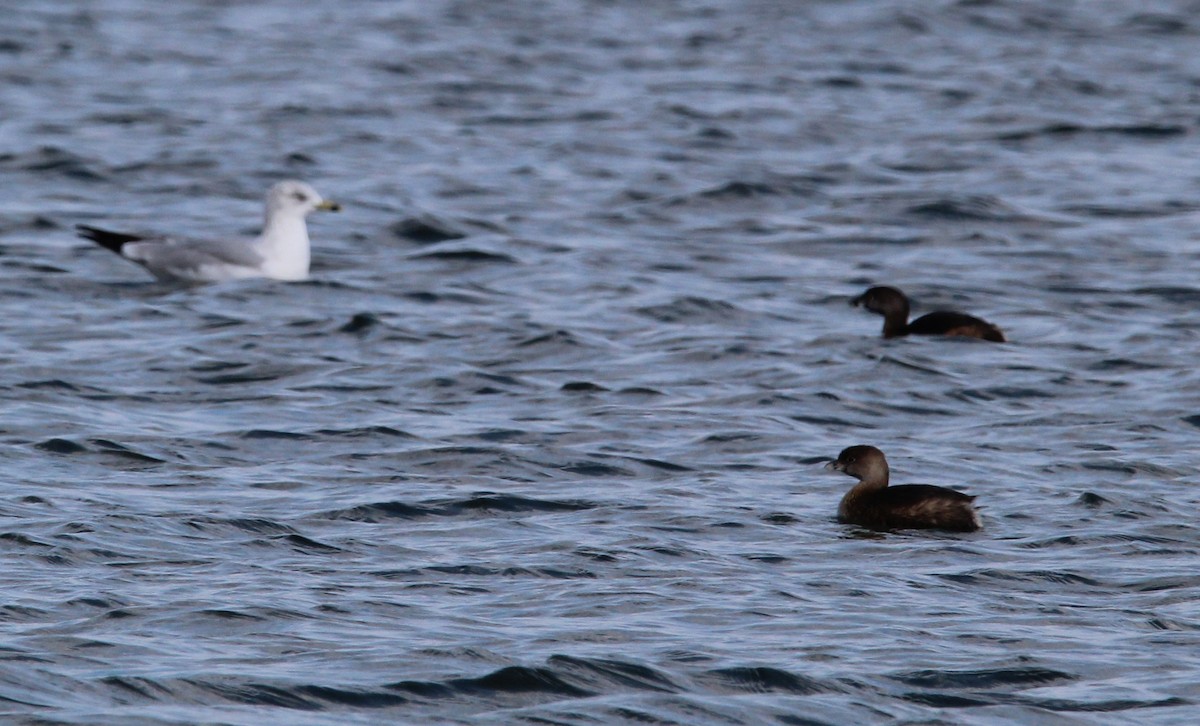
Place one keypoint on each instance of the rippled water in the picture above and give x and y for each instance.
(541, 440)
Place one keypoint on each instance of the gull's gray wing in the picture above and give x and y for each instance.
(178, 258)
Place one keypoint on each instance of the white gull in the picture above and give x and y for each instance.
(280, 252)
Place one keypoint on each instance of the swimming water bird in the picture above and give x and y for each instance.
(873, 504)
(279, 252)
(893, 306)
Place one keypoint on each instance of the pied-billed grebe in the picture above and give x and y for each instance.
(872, 503)
(281, 252)
(893, 306)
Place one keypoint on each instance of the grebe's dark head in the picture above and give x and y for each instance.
(883, 300)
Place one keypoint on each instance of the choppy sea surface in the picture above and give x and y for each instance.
(541, 440)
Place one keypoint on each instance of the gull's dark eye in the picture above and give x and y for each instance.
(300, 196)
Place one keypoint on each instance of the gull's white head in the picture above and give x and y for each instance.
(296, 198)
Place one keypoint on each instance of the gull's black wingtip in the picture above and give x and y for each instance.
(109, 240)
